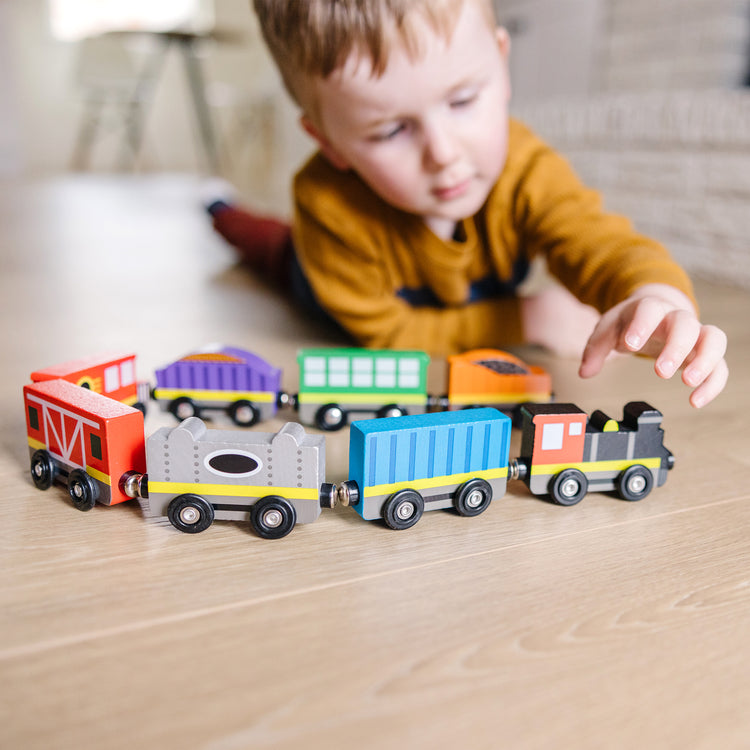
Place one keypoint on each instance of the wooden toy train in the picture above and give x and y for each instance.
(399, 466)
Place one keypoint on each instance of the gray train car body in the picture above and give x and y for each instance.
(272, 480)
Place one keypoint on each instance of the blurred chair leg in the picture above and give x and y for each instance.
(200, 105)
(87, 132)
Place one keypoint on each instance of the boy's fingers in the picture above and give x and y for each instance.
(683, 335)
(646, 317)
(601, 342)
(710, 349)
(711, 387)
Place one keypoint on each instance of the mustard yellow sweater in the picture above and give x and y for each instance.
(364, 258)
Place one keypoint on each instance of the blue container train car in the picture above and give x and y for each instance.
(401, 466)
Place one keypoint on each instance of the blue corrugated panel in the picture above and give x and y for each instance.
(403, 449)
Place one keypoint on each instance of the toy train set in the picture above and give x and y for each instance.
(336, 383)
(399, 465)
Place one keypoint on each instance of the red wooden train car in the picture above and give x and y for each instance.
(112, 375)
(86, 440)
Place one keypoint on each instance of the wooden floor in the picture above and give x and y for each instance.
(608, 624)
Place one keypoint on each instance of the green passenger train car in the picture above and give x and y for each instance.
(338, 382)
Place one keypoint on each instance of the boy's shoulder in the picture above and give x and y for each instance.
(321, 188)
(524, 144)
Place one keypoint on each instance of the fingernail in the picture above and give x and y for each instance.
(633, 340)
(693, 376)
(666, 368)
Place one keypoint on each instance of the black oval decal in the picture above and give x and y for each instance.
(233, 463)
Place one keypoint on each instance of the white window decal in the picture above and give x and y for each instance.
(315, 364)
(552, 436)
(315, 379)
(127, 372)
(405, 380)
(338, 379)
(338, 364)
(385, 380)
(576, 428)
(111, 378)
(362, 380)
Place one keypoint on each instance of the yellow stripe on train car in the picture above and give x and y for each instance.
(207, 395)
(426, 484)
(590, 467)
(232, 490)
(100, 475)
(497, 398)
(90, 470)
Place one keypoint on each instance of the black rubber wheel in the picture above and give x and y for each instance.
(635, 483)
(330, 417)
(243, 413)
(42, 469)
(183, 408)
(472, 497)
(391, 410)
(403, 509)
(273, 517)
(569, 487)
(190, 514)
(83, 490)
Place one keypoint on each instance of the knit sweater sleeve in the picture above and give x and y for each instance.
(598, 255)
(346, 255)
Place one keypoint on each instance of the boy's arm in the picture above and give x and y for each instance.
(645, 298)
(659, 321)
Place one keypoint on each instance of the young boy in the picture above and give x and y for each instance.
(418, 217)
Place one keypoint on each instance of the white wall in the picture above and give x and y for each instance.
(677, 164)
(659, 45)
(554, 46)
(665, 131)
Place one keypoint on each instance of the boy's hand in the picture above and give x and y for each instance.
(660, 322)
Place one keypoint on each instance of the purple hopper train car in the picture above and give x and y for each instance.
(224, 378)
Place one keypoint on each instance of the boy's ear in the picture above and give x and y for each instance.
(503, 43)
(326, 148)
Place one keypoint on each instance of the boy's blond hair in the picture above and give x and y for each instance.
(313, 38)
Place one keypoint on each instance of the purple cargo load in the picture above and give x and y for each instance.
(225, 369)
(239, 373)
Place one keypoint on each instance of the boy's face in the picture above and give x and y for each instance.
(429, 136)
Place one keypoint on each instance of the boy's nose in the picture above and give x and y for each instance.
(440, 147)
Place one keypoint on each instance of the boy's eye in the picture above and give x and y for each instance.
(463, 99)
(389, 133)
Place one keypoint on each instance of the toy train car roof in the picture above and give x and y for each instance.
(361, 352)
(66, 369)
(83, 399)
(230, 355)
(635, 413)
(388, 424)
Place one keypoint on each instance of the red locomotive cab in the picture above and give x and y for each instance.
(559, 438)
(84, 439)
(112, 375)
(553, 445)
